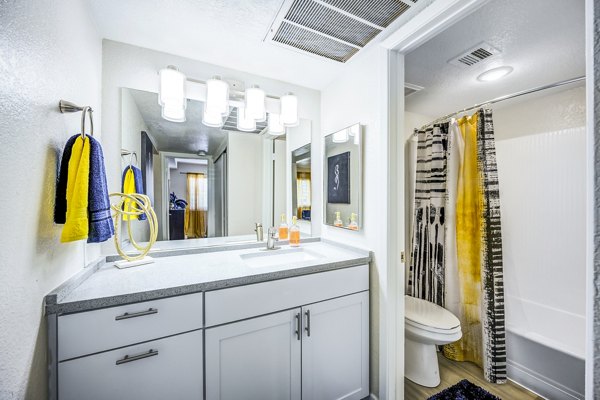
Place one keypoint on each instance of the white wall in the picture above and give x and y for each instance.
(355, 97)
(50, 51)
(244, 182)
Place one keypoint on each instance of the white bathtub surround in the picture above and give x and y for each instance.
(542, 181)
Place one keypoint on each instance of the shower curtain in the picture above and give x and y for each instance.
(461, 269)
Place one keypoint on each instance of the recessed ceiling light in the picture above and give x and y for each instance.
(494, 74)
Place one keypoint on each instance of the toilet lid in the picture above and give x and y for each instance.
(429, 314)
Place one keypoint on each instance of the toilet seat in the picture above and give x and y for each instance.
(429, 316)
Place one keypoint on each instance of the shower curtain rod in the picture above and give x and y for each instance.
(507, 97)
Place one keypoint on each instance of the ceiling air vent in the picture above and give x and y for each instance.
(483, 51)
(409, 89)
(334, 29)
(230, 123)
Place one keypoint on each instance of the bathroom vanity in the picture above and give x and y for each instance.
(233, 322)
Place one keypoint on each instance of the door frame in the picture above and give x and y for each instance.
(432, 20)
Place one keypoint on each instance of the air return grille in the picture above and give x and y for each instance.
(476, 55)
(334, 29)
(231, 122)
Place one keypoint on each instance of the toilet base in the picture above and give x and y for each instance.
(421, 363)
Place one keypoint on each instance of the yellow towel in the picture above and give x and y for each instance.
(129, 188)
(76, 224)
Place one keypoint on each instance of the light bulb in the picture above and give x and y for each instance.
(244, 123)
(171, 88)
(495, 74)
(276, 128)
(255, 104)
(217, 96)
(173, 113)
(289, 110)
(212, 118)
(340, 136)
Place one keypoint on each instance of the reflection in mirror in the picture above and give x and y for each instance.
(342, 178)
(207, 184)
(301, 187)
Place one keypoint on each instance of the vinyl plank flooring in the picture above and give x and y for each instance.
(453, 372)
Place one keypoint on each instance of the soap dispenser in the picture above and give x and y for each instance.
(338, 220)
(283, 228)
(294, 233)
(353, 225)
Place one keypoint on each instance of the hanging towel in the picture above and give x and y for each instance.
(60, 201)
(132, 183)
(101, 226)
(76, 224)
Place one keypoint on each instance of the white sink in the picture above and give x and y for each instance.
(284, 257)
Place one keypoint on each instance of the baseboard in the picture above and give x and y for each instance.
(546, 371)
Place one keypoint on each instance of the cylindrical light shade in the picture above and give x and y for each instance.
(173, 113)
(355, 132)
(340, 136)
(255, 104)
(276, 128)
(172, 88)
(212, 118)
(289, 110)
(217, 96)
(244, 123)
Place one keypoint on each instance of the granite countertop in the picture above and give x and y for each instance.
(103, 285)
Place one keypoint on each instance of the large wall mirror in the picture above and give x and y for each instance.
(207, 185)
(302, 187)
(342, 178)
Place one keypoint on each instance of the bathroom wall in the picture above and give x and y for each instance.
(136, 68)
(49, 51)
(355, 96)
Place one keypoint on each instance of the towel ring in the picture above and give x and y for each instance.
(86, 110)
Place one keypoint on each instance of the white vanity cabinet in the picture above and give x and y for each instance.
(258, 358)
(317, 350)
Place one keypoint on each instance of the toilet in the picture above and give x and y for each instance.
(427, 325)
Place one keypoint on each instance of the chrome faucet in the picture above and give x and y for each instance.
(259, 232)
(272, 238)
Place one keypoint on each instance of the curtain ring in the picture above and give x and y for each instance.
(87, 109)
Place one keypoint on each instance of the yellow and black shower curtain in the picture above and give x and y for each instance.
(464, 266)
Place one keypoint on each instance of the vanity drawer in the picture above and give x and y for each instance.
(161, 369)
(233, 304)
(93, 331)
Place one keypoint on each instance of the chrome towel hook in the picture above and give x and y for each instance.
(68, 107)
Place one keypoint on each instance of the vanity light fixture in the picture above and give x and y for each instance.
(276, 128)
(289, 110)
(494, 74)
(244, 122)
(355, 133)
(173, 113)
(217, 96)
(212, 117)
(255, 103)
(340, 136)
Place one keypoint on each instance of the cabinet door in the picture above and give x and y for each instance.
(255, 359)
(335, 349)
(169, 368)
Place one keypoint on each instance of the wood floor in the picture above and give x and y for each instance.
(453, 372)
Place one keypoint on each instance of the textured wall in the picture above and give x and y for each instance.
(48, 50)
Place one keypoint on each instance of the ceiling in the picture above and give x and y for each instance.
(543, 40)
(228, 33)
(190, 136)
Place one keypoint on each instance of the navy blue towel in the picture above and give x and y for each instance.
(101, 224)
(60, 201)
(139, 186)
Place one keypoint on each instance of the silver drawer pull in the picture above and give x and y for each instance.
(136, 314)
(127, 359)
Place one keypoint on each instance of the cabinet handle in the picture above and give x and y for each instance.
(128, 358)
(298, 326)
(137, 314)
(307, 329)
